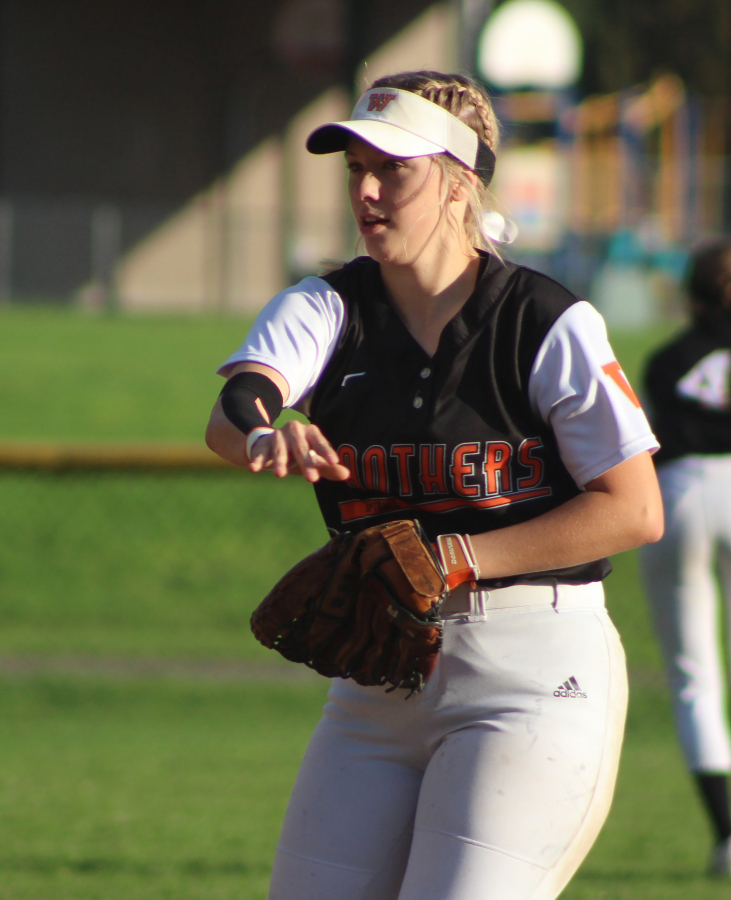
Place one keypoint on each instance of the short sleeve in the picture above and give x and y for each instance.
(577, 387)
(295, 334)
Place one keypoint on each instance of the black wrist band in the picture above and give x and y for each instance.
(239, 396)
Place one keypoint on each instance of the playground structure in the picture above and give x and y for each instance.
(616, 191)
(651, 153)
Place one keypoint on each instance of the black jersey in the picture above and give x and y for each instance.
(687, 384)
(450, 440)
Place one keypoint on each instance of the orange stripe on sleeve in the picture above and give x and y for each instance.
(614, 371)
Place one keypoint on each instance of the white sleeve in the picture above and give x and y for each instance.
(577, 388)
(295, 334)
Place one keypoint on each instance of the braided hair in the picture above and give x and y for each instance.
(471, 105)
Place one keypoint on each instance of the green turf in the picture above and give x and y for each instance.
(655, 844)
(143, 565)
(69, 375)
(118, 790)
(114, 791)
(175, 789)
(135, 564)
(627, 606)
(131, 564)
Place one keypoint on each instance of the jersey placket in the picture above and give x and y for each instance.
(421, 402)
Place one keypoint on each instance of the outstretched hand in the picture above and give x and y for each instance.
(297, 449)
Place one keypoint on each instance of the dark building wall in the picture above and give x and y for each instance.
(149, 100)
(144, 103)
(114, 99)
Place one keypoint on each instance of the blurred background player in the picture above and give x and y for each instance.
(688, 385)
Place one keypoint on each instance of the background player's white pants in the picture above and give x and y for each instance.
(491, 784)
(680, 579)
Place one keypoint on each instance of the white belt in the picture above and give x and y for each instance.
(464, 602)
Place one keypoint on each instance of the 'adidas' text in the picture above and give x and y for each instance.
(570, 688)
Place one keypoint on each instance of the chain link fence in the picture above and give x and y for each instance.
(50, 248)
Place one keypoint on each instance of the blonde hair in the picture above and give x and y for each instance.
(469, 103)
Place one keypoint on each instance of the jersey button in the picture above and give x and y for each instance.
(418, 402)
(425, 372)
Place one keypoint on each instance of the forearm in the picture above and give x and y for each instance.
(225, 439)
(586, 528)
(620, 510)
(252, 397)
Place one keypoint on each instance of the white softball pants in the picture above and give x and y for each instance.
(682, 574)
(492, 784)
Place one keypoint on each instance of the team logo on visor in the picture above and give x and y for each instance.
(379, 101)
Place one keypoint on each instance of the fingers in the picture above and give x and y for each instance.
(261, 453)
(336, 472)
(300, 449)
(313, 453)
(279, 454)
(297, 436)
(322, 460)
(310, 450)
(321, 446)
(323, 469)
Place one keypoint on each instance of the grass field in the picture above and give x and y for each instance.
(114, 789)
(129, 786)
(136, 564)
(68, 375)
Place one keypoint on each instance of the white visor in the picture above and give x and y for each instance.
(404, 124)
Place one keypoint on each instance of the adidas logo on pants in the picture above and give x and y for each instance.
(569, 688)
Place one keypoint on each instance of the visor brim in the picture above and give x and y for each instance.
(383, 136)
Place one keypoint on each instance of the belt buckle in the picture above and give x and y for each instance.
(457, 602)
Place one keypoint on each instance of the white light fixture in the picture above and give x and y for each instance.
(530, 44)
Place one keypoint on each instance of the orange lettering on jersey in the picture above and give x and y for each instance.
(375, 473)
(614, 371)
(431, 472)
(497, 467)
(403, 452)
(348, 457)
(379, 101)
(350, 510)
(461, 470)
(527, 459)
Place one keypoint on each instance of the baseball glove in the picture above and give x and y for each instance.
(365, 606)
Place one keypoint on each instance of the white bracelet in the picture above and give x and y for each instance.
(253, 436)
(475, 566)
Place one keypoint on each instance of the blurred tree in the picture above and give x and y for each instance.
(628, 41)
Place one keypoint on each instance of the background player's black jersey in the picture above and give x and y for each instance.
(450, 439)
(687, 384)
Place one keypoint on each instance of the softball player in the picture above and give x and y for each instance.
(688, 386)
(482, 398)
